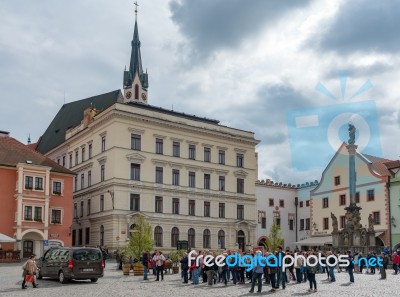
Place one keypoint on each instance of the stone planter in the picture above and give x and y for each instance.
(175, 269)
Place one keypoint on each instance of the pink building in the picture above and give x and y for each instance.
(36, 199)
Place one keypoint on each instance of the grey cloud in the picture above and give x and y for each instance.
(213, 25)
(267, 116)
(366, 72)
(363, 26)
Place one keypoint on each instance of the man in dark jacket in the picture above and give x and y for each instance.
(351, 266)
(384, 266)
(145, 262)
(281, 275)
(185, 267)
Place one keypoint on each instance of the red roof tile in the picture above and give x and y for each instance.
(379, 166)
(13, 152)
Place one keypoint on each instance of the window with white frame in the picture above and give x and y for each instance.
(90, 151)
(38, 183)
(28, 215)
(28, 182)
(192, 179)
(38, 213)
(56, 216)
(136, 142)
(57, 187)
(135, 171)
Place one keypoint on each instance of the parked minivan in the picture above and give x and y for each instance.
(65, 263)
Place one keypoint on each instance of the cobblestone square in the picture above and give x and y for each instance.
(116, 284)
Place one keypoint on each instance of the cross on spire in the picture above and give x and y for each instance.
(136, 4)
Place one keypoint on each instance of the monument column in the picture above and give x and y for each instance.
(353, 236)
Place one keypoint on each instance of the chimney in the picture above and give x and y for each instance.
(4, 133)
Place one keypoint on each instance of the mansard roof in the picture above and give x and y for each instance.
(70, 115)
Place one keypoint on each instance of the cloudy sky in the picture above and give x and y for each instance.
(253, 65)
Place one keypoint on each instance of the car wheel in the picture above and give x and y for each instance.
(93, 280)
(40, 276)
(61, 277)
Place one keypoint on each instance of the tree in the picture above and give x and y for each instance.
(275, 238)
(141, 239)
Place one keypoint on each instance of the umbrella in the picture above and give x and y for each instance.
(5, 238)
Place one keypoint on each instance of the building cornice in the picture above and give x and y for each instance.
(121, 114)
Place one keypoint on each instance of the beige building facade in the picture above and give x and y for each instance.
(191, 177)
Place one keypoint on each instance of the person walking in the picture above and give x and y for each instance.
(271, 273)
(331, 266)
(281, 275)
(373, 267)
(225, 270)
(195, 270)
(209, 271)
(350, 267)
(384, 266)
(297, 267)
(184, 267)
(311, 270)
(257, 276)
(145, 262)
(291, 267)
(233, 270)
(396, 262)
(30, 269)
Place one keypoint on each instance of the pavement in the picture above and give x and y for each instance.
(114, 283)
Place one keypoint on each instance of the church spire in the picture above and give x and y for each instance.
(135, 80)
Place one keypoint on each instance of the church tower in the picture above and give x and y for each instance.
(135, 80)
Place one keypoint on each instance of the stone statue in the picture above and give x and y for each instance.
(349, 220)
(356, 220)
(346, 239)
(363, 240)
(334, 222)
(370, 223)
(352, 134)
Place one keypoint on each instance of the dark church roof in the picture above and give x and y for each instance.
(13, 152)
(70, 115)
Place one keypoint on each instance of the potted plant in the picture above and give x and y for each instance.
(126, 265)
(175, 258)
(140, 242)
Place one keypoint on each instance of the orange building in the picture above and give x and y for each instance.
(35, 199)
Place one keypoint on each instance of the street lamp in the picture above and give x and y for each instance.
(392, 220)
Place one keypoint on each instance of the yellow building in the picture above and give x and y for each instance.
(190, 176)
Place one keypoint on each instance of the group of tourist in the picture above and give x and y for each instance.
(271, 274)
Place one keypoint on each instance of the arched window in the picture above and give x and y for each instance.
(241, 240)
(131, 228)
(174, 237)
(158, 236)
(192, 238)
(206, 239)
(101, 235)
(136, 91)
(221, 239)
